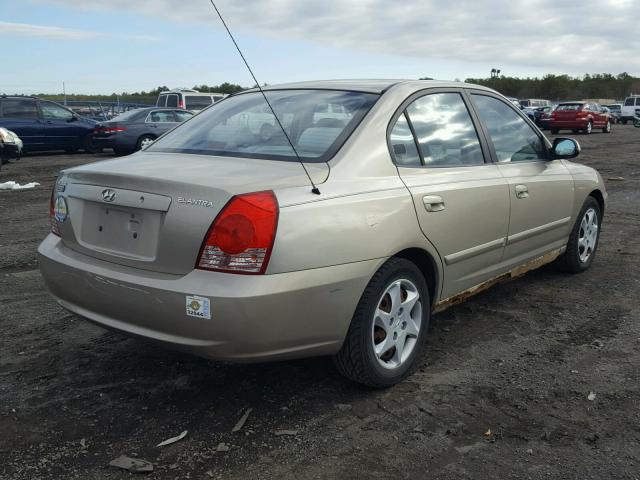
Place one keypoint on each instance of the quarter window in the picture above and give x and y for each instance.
(513, 139)
(444, 130)
(181, 115)
(403, 144)
(19, 108)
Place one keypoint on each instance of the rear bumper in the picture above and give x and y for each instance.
(253, 318)
(568, 124)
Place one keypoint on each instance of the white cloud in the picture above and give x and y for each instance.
(556, 35)
(29, 30)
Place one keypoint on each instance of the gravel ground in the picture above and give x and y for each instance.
(502, 392)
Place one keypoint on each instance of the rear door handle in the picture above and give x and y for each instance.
(433, 203)
(522, 191)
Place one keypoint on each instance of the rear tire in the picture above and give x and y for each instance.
(87, 144)
(607, 127)
(144, 141)
(391, 318)
(584, 238)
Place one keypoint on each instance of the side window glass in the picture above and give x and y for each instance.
(638, 102)
(513, 139)
(51, 111)
(181, 115)
(445, 131)
(19, 108)
(403, 145)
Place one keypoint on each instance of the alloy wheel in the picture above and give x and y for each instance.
(588, 235)
(396, 324)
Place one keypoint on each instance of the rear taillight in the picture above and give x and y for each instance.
(241, 237)
(108, 130)
(52, 213)
(181, 104)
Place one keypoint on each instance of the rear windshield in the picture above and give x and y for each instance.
(197, 102)
(569, 107)
(317, 122)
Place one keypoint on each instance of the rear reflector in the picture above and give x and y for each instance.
(241, 237)
(52, 214)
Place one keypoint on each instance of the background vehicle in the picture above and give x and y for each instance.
(615, 111)
(542, 116)
(629, 108)
(534, 102)
(515, 101)
(212, 242)
(10, 146)
(188, 99)
(44, 125)
(137, 129)
(579, 116)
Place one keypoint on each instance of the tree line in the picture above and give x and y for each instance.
(148, 97)
(552, 87)
(564, 87)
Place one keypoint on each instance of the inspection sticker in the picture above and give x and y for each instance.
(199, 307)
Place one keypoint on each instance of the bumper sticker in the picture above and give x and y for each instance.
(199, 307)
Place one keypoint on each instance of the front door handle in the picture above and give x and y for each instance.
(522, 191)
(433, 203)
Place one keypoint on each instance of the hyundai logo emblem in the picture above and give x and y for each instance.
(108, 195)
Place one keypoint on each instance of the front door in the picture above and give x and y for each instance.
(61, 126)
(462, 202)
(541, 191)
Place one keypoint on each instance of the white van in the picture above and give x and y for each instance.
(631, 104)
(188, 99)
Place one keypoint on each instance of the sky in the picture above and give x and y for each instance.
(106, 46)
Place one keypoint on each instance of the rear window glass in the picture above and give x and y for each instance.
(128, 115)
(569, 107)
(162, 101)
(19, 108)
(244, 126)
(172, 101)
(195, 102)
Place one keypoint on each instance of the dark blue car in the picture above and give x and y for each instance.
(44, 125)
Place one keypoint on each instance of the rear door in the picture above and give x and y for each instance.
(462, 201)
(160, 121)
(21, 115)
(541, 191)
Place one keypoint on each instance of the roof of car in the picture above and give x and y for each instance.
(365, 85)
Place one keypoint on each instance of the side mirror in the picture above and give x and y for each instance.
(565, 148)
(73, 118)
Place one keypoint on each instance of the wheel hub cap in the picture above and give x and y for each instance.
(396, 324)
(588, 235)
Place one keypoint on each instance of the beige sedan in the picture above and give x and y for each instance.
(211, 240)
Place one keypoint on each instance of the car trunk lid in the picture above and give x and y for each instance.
(152, 210)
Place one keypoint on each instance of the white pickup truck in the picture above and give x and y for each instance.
(631, 104)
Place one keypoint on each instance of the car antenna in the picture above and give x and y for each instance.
(314, 189)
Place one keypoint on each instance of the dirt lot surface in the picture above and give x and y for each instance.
(502, 392)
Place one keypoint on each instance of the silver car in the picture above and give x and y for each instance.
(211, 241)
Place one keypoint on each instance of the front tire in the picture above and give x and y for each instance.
(584, 238)
(387, 332)
(589, 128)
(607, 127)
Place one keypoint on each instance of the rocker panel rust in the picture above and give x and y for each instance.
(515, 273)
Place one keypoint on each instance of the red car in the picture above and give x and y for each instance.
(578, 116)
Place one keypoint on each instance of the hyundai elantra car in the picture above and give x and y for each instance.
(213, 241)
